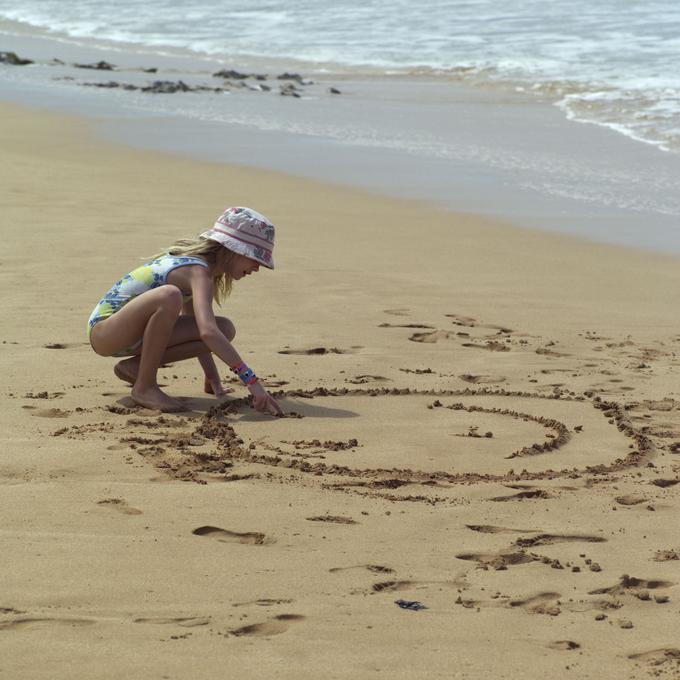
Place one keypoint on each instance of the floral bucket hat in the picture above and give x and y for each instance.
(245, 232)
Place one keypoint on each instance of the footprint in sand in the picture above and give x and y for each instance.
(43, 395)
(435, 336)
(544, 351)
(264, 602)
(523, 495)
(459, 320)
(392, 586)
(279, 624)
(184, 621)
(490, 345)
(316, 350)
(332, 519)
(120, 505)
(491, 529)
(470, 322)
(362, 379)
(630, 499)
(664, 405)
(499, 560)
(629, 584)
(542, 603)
(51, 413)
(551, 539)
(481, 379)
(226, 536)
(658, 657)
(666, 555)
(373, 568)
(566, 645)
(35, 622)
(432, 336)
(404, 325)
(665, 483)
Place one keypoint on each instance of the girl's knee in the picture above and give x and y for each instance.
(171, 298)
(226, 327)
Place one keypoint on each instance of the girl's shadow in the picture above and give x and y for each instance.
(197, 406)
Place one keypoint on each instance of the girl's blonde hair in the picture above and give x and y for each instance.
(215, 254)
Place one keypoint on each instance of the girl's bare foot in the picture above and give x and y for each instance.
(209, 389)
(127, 369)
(155, 398)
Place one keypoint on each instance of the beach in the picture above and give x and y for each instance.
(477, 474)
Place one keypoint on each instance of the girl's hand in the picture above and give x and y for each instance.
(214, 386)
(263, 401)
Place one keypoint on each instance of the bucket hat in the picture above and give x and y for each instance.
(246, 232)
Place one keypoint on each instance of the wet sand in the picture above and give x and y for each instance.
(481, 420)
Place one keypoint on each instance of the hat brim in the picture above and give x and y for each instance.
(260, 255)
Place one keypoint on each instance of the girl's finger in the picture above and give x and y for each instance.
(273, 404)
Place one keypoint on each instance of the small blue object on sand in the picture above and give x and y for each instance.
(412, 605)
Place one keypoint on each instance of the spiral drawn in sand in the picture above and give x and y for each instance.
(486, 436)
(430, 440)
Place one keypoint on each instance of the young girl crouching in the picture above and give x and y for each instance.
(162, 311)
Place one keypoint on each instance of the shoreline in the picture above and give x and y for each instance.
(447, 143)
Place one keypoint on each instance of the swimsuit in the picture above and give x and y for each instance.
(150, 275)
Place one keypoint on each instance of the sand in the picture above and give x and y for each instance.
(481, 419)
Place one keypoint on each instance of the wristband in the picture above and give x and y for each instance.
(245, 374)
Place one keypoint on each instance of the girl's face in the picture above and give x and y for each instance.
(243, 266)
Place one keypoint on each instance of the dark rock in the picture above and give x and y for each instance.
(289, 90)
(294, 76)
(153, 69)
(99, 66)
(109, 84)
(334, 90)
(230, 74)
(200, 88)
(167, 87)
(12, 59)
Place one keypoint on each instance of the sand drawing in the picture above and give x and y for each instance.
(208, 447)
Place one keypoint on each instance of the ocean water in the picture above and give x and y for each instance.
(557, 116)
(615, 63)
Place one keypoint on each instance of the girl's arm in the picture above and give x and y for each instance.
(217, 343)
(212, 383)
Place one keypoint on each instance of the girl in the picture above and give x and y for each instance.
(162, 311)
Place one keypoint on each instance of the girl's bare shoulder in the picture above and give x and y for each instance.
(186, 276)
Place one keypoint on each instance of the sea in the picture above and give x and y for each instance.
(570, 107)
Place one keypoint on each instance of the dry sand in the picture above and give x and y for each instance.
(490, 427)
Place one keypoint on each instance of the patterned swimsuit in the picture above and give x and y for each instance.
(150, 275)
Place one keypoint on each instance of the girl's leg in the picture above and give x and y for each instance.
(184, 343)
(151, 316)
